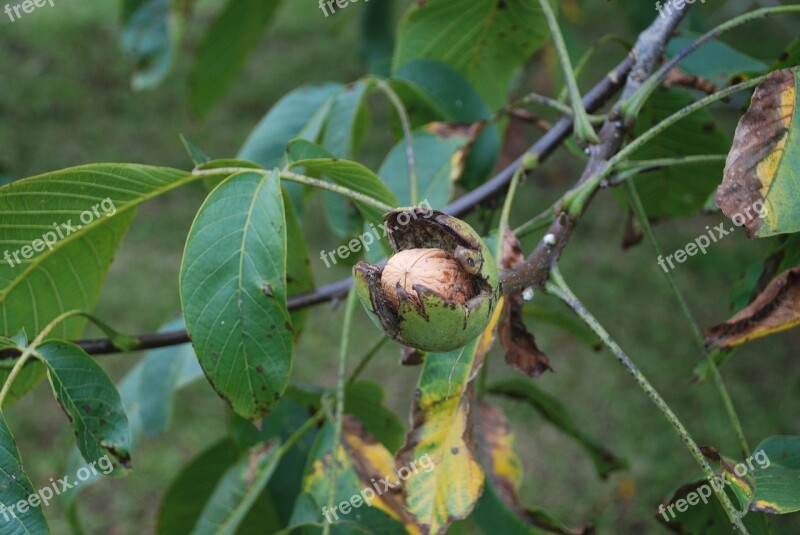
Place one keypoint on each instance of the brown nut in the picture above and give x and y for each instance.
(434, 269)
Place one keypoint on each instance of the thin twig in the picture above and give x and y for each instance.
(558, 287)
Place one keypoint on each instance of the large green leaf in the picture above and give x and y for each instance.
(151, 31)
(69, 276)
(554, 411)
(16, 487)
(678, 191)
(229, 41)
(434, 153)
(90, 400)
(762, 174)
(233, 292)
(485, 40)
(237, 491)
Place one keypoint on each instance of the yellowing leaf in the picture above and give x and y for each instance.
(775, 309)
(441, 433)
(762, 173)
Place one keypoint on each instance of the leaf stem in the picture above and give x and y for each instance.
(558, 287)
(527, 165)
(638, 208)
(384, 86)
(349, 311)
(30, 351)
(583, 127)
(302, 179)
(302, 430)
(366, 359)
(633, 105)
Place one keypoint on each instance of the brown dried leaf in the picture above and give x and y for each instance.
(520, 346)
(775, 309)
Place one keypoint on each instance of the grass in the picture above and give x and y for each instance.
(66, 101)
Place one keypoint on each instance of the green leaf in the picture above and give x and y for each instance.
(777, 479)
(485, 40)
(233, 292)
(344, 124)
(163, 371)
(151, 32)
(229, 41)
(16, 487)
(237, 491)
(434, 91)
(185, 499)
(299, 277)
(434, 152)
(356, 177)
(678, 191)
(69, 276)
(762, 177)
(554, 411)
(198, 156)
(90, 400)
(364, 400)
(715, 60)
(298, 114)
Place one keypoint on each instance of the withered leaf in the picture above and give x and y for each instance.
(762, 172)
(520, 346)
(775, 309)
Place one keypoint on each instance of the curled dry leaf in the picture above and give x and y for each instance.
(775, 309)
(520, 346)
(762, 173)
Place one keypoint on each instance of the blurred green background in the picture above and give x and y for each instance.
(66, 100)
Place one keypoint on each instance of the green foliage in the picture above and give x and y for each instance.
(453, 71)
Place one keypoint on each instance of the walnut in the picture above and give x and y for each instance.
(435, 269)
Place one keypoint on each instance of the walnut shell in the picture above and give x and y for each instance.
(435, 269)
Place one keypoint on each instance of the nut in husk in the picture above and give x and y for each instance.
(439, 289)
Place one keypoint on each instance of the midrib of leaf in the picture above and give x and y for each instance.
(240, 288)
